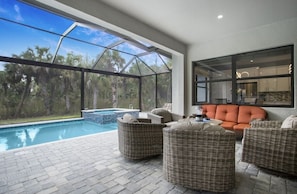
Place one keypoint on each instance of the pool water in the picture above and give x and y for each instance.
(105, 112)
(22, 136)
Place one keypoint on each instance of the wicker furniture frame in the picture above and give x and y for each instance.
(199, 160)
(160, 119)
(267, 145)
(141, 139)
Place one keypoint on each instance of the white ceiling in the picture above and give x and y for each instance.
(195, 21)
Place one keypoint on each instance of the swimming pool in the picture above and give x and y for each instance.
(33, 134)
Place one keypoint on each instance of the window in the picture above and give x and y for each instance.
(263, 78)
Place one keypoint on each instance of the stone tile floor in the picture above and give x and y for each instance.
(93, 164)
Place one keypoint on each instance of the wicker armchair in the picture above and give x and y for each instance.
(268, 145)
(161, 115)
(140, 139)
(199, 159)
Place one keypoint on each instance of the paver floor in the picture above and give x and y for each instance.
(93, 164)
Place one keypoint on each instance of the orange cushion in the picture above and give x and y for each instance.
(241, 126)
(228, 125)
(209, 110)
(247, 113)
(227, 112)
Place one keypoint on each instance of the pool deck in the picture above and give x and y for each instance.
(93, 164)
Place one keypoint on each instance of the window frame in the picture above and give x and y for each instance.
(236, 81)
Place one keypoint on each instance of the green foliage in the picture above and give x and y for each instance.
(28, 91)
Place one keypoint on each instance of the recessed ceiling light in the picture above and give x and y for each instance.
(220, 16)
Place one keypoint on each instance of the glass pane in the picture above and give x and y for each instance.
(164, 89)
(26, 14)
(102, 91)
(36, 92)
(264, 63)
(167, 61)
(98, 91)
(214, 69)
(94, 36)
(128, 48)
(148, 93)
(247, 92)
(111, 61)
(128, 93)
(14, 44)
(201, 94)
(220, 92)
(143, 68)
(132, 67)
(128, 64)
(266, 91)
(155, 62)
(75, 53)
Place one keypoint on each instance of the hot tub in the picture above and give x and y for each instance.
(108, 115)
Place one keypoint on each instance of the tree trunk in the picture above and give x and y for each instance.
(24, 95)
(95, 96)
(114, 93)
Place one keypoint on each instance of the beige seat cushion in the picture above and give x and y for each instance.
(163, 113)
(290, 122)
(187, 125)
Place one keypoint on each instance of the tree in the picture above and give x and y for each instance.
(113, 62)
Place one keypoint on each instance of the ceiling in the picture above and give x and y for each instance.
(195, 21)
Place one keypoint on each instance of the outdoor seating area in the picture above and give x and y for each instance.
(148, 97)
(201, 155)
(272, 145)
(162, 115)
(234, 117)
(139, 138)
(94, 164)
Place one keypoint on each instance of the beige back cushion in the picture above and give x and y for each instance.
(290, 122)
(187, 125)
(128, 118)
(163, 113)
(214, 128)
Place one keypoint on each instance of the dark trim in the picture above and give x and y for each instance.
(156, 91)
(82, 91)
(140, 93)
(59, 66)
(235, 80)
(234, 84)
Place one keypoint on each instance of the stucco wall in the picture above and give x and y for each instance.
(268, 36)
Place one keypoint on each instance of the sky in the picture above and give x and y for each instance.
(16, 39)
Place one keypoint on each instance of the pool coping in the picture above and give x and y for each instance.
(39, 122)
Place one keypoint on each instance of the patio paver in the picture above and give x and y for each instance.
(93, 164)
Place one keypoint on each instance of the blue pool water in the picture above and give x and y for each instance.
(22, 136)
(105, 112)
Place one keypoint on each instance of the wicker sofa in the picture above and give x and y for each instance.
(267, 144)
(234, 117)
(139, 138)
(199, 158)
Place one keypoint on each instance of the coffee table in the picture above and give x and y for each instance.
(210, 121)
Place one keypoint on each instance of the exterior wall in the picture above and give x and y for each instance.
(268, 36)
